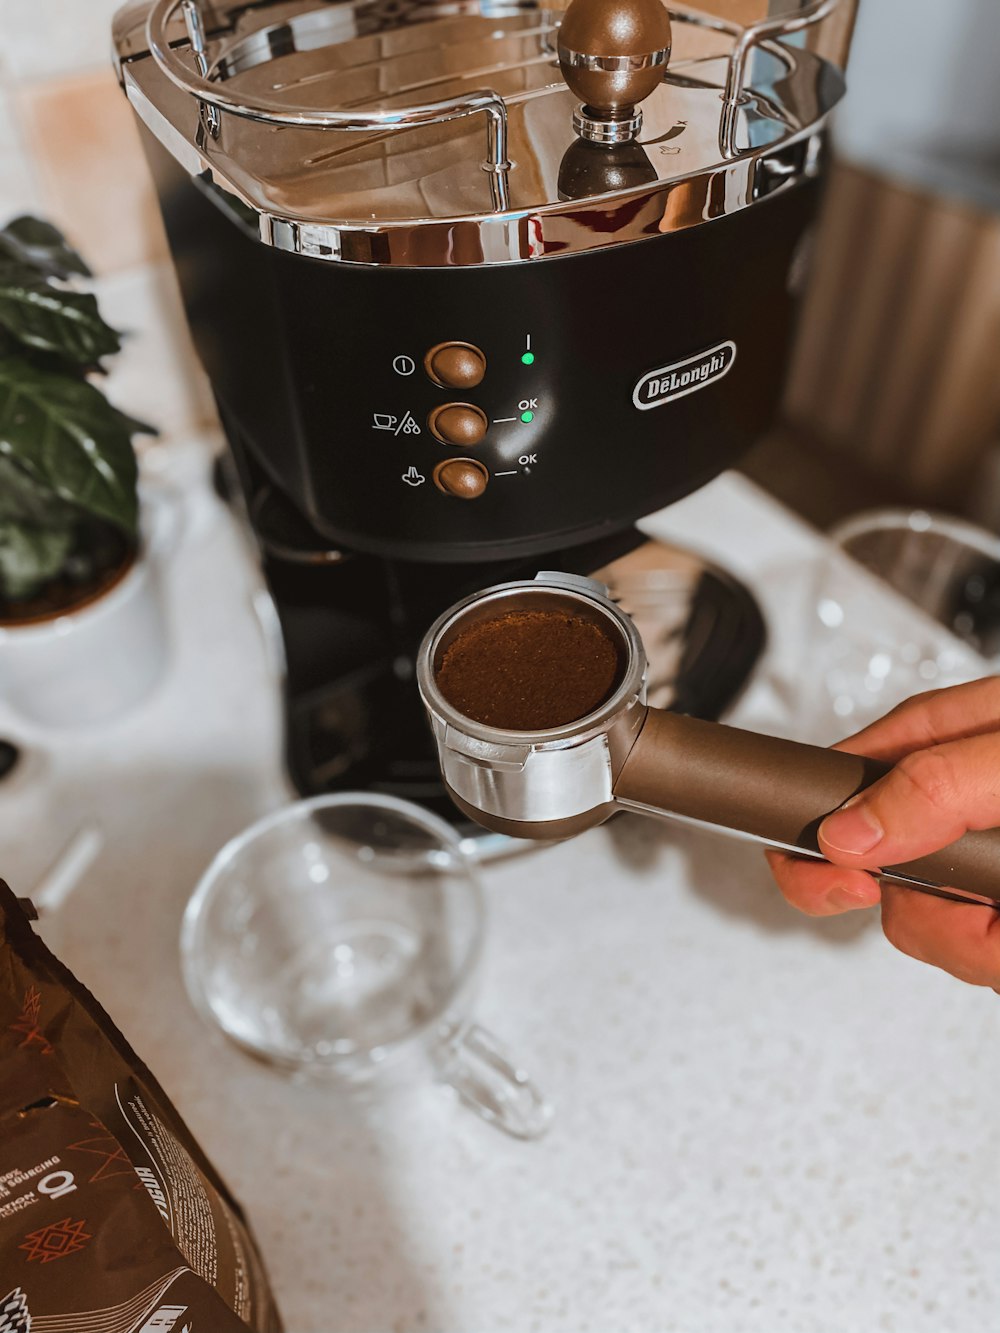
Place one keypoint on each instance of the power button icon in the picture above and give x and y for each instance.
(404, 365)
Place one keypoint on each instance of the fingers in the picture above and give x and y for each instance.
(964, 941)
(822, 890)
(945, 747)
(931, 798)
(930, 719)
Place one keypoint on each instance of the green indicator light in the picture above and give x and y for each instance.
(527, 416)
(528, 359)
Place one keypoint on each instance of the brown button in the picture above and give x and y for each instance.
(455, 365)
(462, 477)
(458, 423)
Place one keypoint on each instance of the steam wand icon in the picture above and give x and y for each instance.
(412, 477)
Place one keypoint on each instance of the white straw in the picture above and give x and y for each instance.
(68, 869)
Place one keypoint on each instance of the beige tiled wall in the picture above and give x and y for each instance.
(896, 363)
(69, 151)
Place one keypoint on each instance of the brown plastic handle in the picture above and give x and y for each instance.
(777, 791)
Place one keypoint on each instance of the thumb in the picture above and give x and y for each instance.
(929, 800)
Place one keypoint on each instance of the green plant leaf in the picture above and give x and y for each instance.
(24, 500)
(53, 319)
(43, 246)
(68, 438)
(30, 557)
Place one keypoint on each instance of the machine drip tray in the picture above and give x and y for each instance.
(703, 632)
(702, 629)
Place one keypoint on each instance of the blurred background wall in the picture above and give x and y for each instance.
(894, 391)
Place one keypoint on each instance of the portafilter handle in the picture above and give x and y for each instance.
(549, 785)
(613, 54)
(778, 792)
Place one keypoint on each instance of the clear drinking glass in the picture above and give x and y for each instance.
(907, 601)
(343, 935)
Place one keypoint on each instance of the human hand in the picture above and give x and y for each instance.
(945, 746)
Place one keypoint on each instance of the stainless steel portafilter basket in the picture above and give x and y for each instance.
(548, 784)
(625, 755)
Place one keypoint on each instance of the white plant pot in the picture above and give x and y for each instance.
(92, 665)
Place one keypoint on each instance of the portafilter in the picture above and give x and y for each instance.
(493, 673)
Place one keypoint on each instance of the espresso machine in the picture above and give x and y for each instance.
(477, 284)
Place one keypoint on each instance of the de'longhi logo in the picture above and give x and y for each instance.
(677, 380)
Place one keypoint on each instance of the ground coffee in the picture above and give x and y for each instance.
(529, 670)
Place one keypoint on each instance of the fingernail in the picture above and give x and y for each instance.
(841, 899)
(852, 829)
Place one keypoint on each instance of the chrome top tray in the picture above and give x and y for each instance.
(429, 132)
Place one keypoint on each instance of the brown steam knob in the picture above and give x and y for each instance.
(613, 54)
(463, 478)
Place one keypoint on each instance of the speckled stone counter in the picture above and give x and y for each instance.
(764, 1124)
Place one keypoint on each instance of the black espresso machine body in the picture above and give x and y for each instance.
(453, 330)
(321, 368)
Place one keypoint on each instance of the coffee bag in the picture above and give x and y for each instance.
(112, 1220)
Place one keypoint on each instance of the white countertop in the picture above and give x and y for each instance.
(765, 1124)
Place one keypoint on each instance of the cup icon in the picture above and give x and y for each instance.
(383, 421)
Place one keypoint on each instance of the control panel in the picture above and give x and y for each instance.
(480, 432)
(458, 365)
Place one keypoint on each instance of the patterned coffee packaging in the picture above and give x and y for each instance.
(112, 1220)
